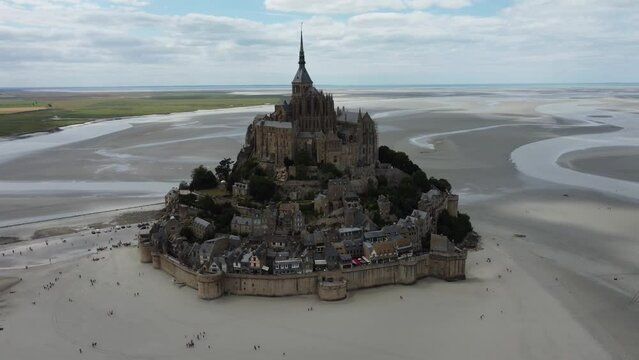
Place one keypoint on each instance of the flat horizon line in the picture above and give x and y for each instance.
(273, 86)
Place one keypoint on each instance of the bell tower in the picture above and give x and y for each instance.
(302, 80)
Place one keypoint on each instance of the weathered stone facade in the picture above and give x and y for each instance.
(309, 121)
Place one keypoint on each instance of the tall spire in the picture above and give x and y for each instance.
(302, 77)
(302, 61)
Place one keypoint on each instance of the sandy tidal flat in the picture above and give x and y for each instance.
(433, 318)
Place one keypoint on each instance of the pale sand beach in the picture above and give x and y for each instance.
(443, 320)
(571, 290)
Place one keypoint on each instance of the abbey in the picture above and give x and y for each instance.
(310, 122)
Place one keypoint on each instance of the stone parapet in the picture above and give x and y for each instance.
(407, 272)
(448, 266)
(210, 286)
(155, 258)
(332, 290)
(145, 252)
(327, 285)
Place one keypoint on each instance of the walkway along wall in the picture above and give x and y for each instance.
(327, 285)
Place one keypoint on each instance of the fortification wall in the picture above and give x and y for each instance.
(449, 267)
(421, 267)
(403, 272)
(145, 252)
(327, 285)
(370, 276)
(210, 286)
(180, 272)
(332, 290)
(269, 285)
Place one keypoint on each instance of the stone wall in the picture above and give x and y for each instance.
(145, 252)
(210, 286)
(448, 267)
(332, 290)
(327, 285)
(180, 272)
(270, 285)
(402, 272)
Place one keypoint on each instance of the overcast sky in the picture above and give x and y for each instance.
(347, 42)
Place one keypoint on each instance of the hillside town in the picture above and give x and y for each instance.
(310, 192)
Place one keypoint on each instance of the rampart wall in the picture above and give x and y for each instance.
(327, 285)
(270, 285)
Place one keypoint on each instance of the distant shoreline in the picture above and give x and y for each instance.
(81, 215)
(53, 111)
(285, 87)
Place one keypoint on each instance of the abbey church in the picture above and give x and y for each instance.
(309, 121)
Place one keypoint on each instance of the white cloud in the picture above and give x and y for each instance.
(359, 6)
(68, 42)
(130, 2)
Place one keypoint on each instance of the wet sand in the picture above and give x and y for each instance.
(616, 162)
(430, 318)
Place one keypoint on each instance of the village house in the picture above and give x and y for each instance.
(351, 201)
(337, 188)
(355, 217)
(240, 189)
(211, 248)
(172, 199)
(354, 247)
(314, 241)
(320, 204)
(384, 206)
(277, 242)
(251, 226)
(374, 236)
(380, 252)
(172, 226)
(432, 201)
(350, 233)
(345, 261)
(290, 217)
(285, 265)
(202, 229)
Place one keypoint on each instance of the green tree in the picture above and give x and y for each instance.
(261, 188)
(397, 159)
(223, 170)
(441, 184)
(454, 228)
(202, 178)
(421, 180)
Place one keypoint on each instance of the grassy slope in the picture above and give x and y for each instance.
(68, 109)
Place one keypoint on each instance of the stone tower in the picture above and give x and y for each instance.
(312, 110)
(302, 81)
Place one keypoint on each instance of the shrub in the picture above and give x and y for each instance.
(454, 228)
(261, 188)
(202, 178)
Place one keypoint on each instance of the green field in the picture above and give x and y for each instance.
(61, 109)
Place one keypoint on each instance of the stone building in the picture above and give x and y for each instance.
(309, 121)
(244, 225)
(240, 189)
(384, 206)
(202, 229)
(320, 204)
